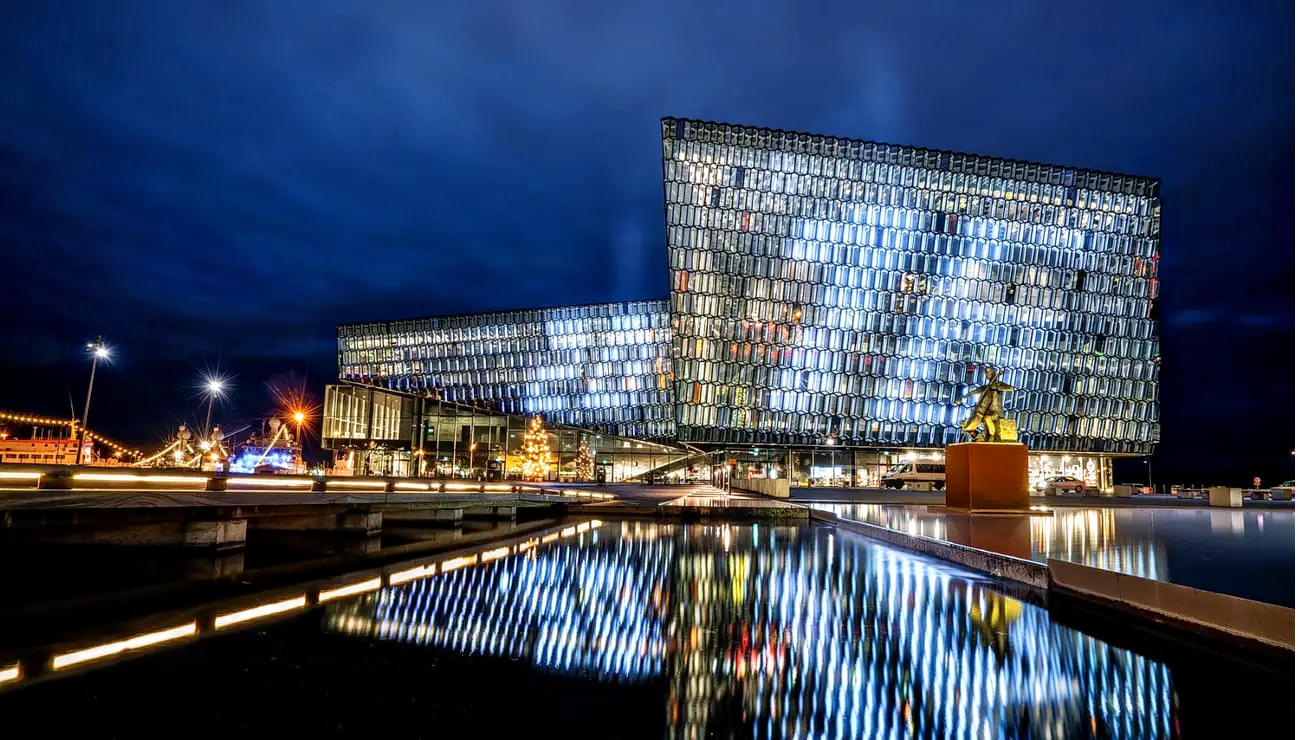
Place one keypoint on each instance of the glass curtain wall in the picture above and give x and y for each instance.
(830, 288)
(602, 366)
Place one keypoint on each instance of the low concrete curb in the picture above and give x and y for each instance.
(1236, 618)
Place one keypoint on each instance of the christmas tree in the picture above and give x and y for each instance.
(585, 462)
(536, 451)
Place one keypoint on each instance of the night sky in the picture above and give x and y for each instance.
(218, 184)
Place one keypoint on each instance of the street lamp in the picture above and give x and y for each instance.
(214, 387)
(1149, 468)
(98, 350)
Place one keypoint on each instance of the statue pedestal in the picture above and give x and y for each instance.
(987, 476)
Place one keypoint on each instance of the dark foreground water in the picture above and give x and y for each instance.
(644, 630)
(1241, 552)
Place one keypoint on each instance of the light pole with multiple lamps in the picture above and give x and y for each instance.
(98, 350)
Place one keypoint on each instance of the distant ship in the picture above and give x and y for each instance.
(272, 450)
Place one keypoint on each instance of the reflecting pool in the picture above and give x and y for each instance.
(1241, 552)
(621, 629)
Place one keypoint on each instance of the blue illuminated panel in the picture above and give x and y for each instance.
(601, 366)
(825, 287)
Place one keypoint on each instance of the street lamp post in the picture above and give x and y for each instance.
(214, 388)
(97, 350)
(1149, 468)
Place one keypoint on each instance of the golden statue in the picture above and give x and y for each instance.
(988, 413)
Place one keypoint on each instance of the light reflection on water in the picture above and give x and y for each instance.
(1255, 548)
(785, 632)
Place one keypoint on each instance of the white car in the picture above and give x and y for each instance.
(916, 475)
(1057, 483)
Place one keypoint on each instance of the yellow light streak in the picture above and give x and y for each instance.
(65, 660)
(583, 527)
(411, 574)
(358, 483)
(550, 537)
(570, 531)
(19, 474)
(11, 673)
(524, 546)
(495, 554)
(372, 584)
(256, 612)
(269, 482)
(453, 563)
(412, 486)
(133, 478)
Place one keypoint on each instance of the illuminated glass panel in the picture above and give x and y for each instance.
(601, 366)
(825, 287)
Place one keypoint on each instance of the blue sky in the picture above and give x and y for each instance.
(225, 181)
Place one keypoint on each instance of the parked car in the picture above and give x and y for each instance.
(1057, 483)
(911, 475)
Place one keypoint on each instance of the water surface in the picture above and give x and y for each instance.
(645, 630)
(1241, 552)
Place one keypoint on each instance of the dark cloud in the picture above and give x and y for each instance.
(230, 179)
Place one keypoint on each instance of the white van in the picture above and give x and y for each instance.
(916, 475)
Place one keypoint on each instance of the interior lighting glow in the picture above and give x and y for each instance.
(65, 660)
(411, 574)
(372, 584)
(132, 478)
(256, 612)
(453, 563)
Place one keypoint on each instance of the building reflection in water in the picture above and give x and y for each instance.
(1092, 537)
(781, 632)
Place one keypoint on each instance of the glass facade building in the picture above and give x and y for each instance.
(600, 366)
(849, 291)
(832, 305)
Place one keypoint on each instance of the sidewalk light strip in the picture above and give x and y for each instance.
(372, 584)
(269, 482)
(453, 563)
(413, 486)
(131, 478)
(11, 673)
(131, 643)
(24, 474)
(358, 483)
(411, 574)
(256, 612)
